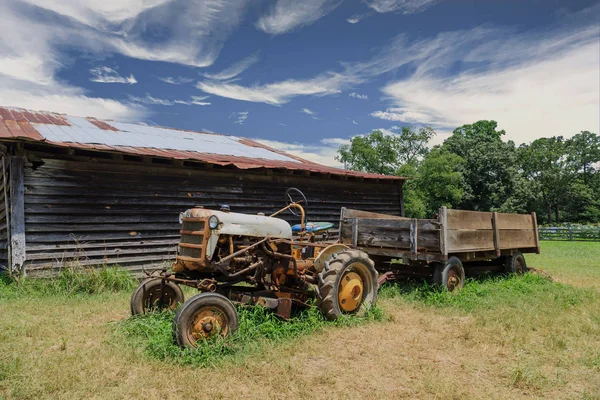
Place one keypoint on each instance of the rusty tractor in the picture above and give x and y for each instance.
(255, 260)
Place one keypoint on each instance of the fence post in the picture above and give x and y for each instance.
(570, 233)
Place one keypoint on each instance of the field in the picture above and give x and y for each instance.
(535, 336)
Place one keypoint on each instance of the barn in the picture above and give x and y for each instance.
(110, 193)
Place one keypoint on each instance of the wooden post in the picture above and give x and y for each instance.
(496, 233)
(354, 232)
(536, 233)
(17, 214)
(443, 220)
(342, 212)
(413, 238)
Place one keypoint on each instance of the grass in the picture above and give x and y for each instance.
(575, 263)
(257, 329)
(500, 337)
(70, 281)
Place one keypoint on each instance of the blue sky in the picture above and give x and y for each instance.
(305, 76)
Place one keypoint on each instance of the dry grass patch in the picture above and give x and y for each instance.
(519, 337)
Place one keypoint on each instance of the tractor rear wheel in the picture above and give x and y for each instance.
(204, 316)
(347, 285)
(450, 275)
(147, 296)
(515, 264)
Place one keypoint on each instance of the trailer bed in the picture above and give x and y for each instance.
(469, 235)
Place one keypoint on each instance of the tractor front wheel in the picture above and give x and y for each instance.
(347, 284)
(204, 316)
(148, 296)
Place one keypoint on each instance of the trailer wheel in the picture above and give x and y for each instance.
(347, 284)
(204, 316)
(450, 275)
(515, 264)
(147, 296)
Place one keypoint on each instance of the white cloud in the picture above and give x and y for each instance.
(239, 117)
(175, 80)
(277, 93)
(235, 69)
(185, 32)
(354, 122)
(308, 111)
(359, 96)
(322, 152)
(288, 15)
(403, 6)
(150, 100)
(109, 75)
(535, 84)
(354, 19)
(29, 63)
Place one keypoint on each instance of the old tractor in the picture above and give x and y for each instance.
(255, 260)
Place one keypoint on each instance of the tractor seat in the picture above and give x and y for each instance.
(313, 227)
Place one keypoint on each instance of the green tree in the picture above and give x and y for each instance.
(544, 164)
(583, 151)
(440, 179)
(490, 168)
(385, 154)
(392, 154)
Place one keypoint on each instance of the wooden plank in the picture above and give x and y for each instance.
(59, 247)
(470, 240)
(496, 233)
(443, 220)
(514, 221)
(354, 232)
(462, 219)
(536, 232)
(414, 236)
(350, 213)
(70, 255)
(517, 239)
(17, 215)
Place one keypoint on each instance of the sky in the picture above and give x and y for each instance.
(306, 76)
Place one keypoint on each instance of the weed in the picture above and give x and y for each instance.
(257, 327)
(70, 281)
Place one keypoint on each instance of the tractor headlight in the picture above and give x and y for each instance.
(213, 222)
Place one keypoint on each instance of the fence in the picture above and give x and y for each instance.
(573, 233)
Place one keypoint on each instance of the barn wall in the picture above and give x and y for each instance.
(101, 211)
(3, 212)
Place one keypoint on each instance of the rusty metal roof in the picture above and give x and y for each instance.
(139, 139)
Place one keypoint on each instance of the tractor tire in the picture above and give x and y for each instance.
(347, 285)
(147, 296)
(204, 316)
(515, 264)
(450, 275)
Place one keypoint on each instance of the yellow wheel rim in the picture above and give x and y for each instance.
(350, 291)
(209, 322)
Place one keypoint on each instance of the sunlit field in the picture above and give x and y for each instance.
(533, 336)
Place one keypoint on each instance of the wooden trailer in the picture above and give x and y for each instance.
(456, 244)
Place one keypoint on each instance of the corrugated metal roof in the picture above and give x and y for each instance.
(93, 134)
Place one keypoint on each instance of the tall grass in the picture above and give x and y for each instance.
(258, 327)
(491, 292)
(70, 281)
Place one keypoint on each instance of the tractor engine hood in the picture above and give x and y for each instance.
(231, 223)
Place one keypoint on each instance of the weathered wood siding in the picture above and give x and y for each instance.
(4, 214)
(117, 212)
(477, 231)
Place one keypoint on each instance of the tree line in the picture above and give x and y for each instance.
(474, 169)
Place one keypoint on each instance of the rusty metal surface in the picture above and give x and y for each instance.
(137, 139)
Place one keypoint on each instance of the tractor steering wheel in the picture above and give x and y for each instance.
(289, 199)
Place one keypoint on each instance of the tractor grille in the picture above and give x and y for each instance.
(194, 235)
